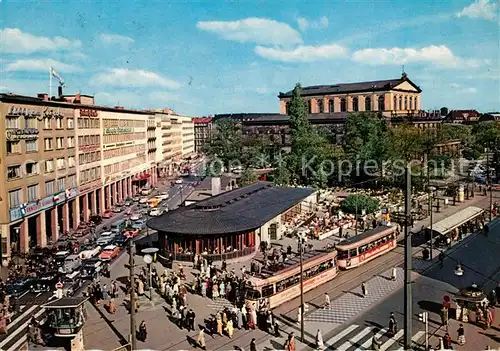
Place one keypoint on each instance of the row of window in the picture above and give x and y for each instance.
(59, 144)
(33, 192)
(124, 165)
(121, 151)
(88, 123)
(90, 174)
(87, 140)
(114, 123)
(362, 249)
(119, 138)
(31, 168)
(15, 122)
(89, 157)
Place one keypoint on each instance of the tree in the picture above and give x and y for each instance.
(247, 177)
(360, 202)
(227, 142)
(461, 132)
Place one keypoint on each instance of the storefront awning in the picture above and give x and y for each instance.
(454, 221)
(141, 177)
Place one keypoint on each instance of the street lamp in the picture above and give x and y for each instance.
(301, 237)
(149, 253)
(431, 196)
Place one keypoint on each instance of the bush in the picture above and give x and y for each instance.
(363, 202)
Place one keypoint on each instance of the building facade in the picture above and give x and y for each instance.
(389, 97)
(202, 132)
(187, 136)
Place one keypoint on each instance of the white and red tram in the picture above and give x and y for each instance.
(367, 246)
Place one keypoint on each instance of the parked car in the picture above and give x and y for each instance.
(140, 224)
(129, 202)
(60, 257)
(18, 287)
(163, 196)
(71, 264)
(105, 238)
(89, 251)
(136, 216)
(146, 191)
(155, 212)
(109, 253)
(96, 219)
(118, 210)
(71, 283)
(44, 282)
(136, 198)
(178, 181)
(143, 200)
(132, 233)
(91, 268)
(120, 240)
(107, 214)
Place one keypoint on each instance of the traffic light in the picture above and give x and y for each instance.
(422, 317)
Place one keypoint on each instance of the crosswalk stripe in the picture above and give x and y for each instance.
(25, 313)
(392, 340)
(417, 336)
(340, 335)
(19, 343)
(368, 343)
(345, 346)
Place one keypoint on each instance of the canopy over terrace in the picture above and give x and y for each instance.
(448, 224)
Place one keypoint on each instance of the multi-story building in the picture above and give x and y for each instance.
(202, 132)
(39, 179)
(187, 136)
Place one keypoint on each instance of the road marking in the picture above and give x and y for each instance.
(23, 294)
(19, 343)
(340, 335)
(20, 329)
(349, 343)
(417, 336)
(38, 294)
(392, 340)
(367, 344)
(25, 313)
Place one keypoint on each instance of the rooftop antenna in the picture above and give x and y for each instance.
(403, 73)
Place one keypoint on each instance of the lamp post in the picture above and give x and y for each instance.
(356, 215)
(301, 234)
(148, 259)
(431, 195)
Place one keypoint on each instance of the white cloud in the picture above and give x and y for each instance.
(14, 41)
(134, 78)
(3, 87)
(305, 24)
(40, 65)
(255, 30)
(302, 53)
(115, 39)
(462, 89)
(455, 85)
(434, 54)
(483, 9)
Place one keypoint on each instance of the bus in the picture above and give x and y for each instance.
(357, 250)
(280, 286)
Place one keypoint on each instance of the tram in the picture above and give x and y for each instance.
(280, 286)
(358, 250)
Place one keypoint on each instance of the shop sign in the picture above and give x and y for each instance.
(88, 147)
(89, 113)
(22, 134)
(20, 111)
(90, 186)
(71, 193)
(124, 130)
(31, 208)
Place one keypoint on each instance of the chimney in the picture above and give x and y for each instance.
(43, 96)
(215, 186)
(59, 90)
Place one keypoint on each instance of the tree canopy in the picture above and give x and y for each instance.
(360, 202)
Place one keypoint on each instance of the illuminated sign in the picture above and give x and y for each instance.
(22, 134)
(118, 130)
(89, 113)
(28, 209)
(17, 111)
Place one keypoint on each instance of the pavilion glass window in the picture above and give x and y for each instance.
(406, 103)
(321, 108)
(355, 104)
(395, 107)
(411, 103)
(381, 103)
(400, 103)
(368, 103)
(343, 105)
(331, 106)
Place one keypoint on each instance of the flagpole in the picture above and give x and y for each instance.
(50, 82)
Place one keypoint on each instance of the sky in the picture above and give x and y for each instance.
(205, 57)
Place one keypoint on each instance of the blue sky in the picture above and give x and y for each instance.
(207, 57)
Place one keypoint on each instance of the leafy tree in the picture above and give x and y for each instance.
(406, 142)
(361, 202)
(487, 135)
(227, 142)
(281, 175)
(247, 177)
(448, 132)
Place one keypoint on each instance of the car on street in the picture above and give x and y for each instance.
(107, 214)
(146, 191)
(109, 252)
(60, 257)
(136, 216)
(132, 233)
(96, 219)
(178, 181)
(89, 251)
(128, 202)
(162, 196)
(155, 212)
(120, 240)
(105, 238)
(118, 209)
(71, 264)
(136, 198)
(71, 283)
(140, 224)
(18, 287)
(91, 268)
(143, 200)
(45, 282)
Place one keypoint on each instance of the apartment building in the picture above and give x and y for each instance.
(202, 132)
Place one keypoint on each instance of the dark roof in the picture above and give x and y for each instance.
(461, 114)
(340, 88)
(238, 210)
(66, 302)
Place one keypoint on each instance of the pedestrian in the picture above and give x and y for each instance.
(229, 328)
(327, 301)
(290, 342)
(364, 290)
(253, 346)
(375, 342)
(143, 333)
(394, 274)
(191, 319)
(393, 325)
(444, 316)
(319, 341)
(461, 335)
(441, 259)
(276, 329)
(201, 339)
(447, 341)
(219, 323)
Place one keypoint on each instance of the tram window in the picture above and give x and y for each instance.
(363, 248)
(342, 255)
(267, 290)
(353, 252)
(252, 294)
